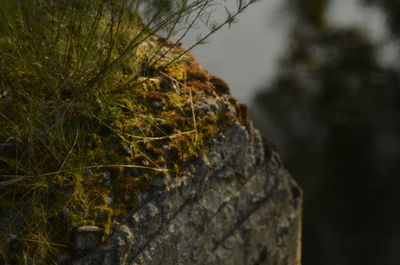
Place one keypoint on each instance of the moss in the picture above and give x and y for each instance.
(219, 85)
(176, 71)
(243, 114)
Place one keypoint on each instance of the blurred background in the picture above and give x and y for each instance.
(322, 81)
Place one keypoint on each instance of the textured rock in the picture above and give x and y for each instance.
(87, 237)
(235, 205)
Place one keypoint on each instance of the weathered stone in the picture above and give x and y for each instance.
(87, 237)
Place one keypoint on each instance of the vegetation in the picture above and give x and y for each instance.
(92, 107)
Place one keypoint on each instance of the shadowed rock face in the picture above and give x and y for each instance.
(235, 204)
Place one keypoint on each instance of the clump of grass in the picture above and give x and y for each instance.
(91, 109)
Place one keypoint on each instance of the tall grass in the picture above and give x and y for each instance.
(62, 66)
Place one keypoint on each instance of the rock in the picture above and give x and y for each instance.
(87, 238)
(235, 204)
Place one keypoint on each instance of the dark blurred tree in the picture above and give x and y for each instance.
(391, 8)
(333, 112)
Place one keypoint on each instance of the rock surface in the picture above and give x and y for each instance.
(235, 205)
(87, 238)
